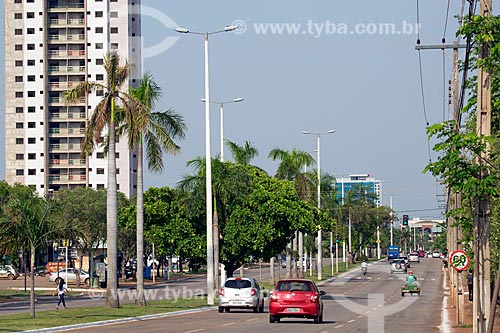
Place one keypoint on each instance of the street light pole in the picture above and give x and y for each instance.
(221, 107)
(208, 168)
(320, 254)
(392, 220)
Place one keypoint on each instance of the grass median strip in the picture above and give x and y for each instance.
(80, 315)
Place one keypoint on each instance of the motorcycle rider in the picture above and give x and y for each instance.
(411, 278)
(364, 267)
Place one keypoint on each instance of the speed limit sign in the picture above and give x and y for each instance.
(459, 260)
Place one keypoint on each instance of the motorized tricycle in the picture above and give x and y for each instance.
(411, 288)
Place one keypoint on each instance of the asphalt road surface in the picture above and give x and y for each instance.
(354, 303)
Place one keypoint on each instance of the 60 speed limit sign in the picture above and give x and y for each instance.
(459, 260)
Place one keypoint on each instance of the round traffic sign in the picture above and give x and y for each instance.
(459, 260)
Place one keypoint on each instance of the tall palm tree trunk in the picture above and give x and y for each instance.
(112, 299)
(140, 299)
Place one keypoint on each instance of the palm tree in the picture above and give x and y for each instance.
(291, 162)
(25, 223)
(157, 129)
(290, 168)
(104, 116)
(242, 154)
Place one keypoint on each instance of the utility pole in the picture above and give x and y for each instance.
(481, 305)
(454, 201)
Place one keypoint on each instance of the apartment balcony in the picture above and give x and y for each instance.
(64, 54)
(67, 163)
(66, 22)
(62, 85)
(66, 131)
(67, 116)
(63, 6)
(65, 147)
(60, 100)
(66, 69)
(62, 179)
(67, 38)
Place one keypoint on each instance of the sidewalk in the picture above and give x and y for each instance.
(449, 318)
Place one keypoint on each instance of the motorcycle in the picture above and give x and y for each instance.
(363, 269)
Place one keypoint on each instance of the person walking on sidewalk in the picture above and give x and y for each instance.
(61, 288)
(470, 279)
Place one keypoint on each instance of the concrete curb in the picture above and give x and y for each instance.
(122, 320)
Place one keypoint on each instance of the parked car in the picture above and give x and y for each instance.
(421, 253)
(241, 293)
(398, 266)
(436, 254)
(9, 272)
(296, 298)
(69, 275)
(414, 257)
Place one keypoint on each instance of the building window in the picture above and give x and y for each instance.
(100, 171)
(19, 63)
(31, 109)
(113, 14)
(98, 14)
(99, 77)
(19, 94)
(31, 172)
(31, 78)
(114, 46)
(18, 16)
(31, 93)
(19, 141)
(30, 31)
(19, 172)
(18, 32)
(117, 155)
(31, 141)
(31, 47)
(100, 155)
(100, 186)
(19, 157)
(98, 46)
(30, 15)
(99, 93)
(19, 125)
(31, 124)
(18, 47)
(30, 1)
(114, 30)
(117, 171)
(19, 78)
(99, 62)
(19, 109)
(18, 1)
(98, 30)
(31, 156)
(31, 62)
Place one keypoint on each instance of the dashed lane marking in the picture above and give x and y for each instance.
(228, 324)
(252, 319)
(351, 321)
(339, 326)
(198, 330)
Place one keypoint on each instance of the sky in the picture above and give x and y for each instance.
(315, 66)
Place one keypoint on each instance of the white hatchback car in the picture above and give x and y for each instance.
(69, 275)
(241, 293)
(413, 257)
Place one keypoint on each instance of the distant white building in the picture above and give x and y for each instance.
(50, 46)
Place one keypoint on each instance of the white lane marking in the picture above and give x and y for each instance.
(360, 316)
(367, 312)
(339, 326)
(198, 330)
(252, 319)
(352, 321)
(228, 324)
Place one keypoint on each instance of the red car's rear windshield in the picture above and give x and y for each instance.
(294, 286)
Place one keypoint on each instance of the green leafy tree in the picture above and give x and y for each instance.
(25, 222)
(242, 154)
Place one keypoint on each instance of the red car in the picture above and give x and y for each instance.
(296, 298)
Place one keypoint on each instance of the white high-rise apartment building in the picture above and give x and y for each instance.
(50, 45)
